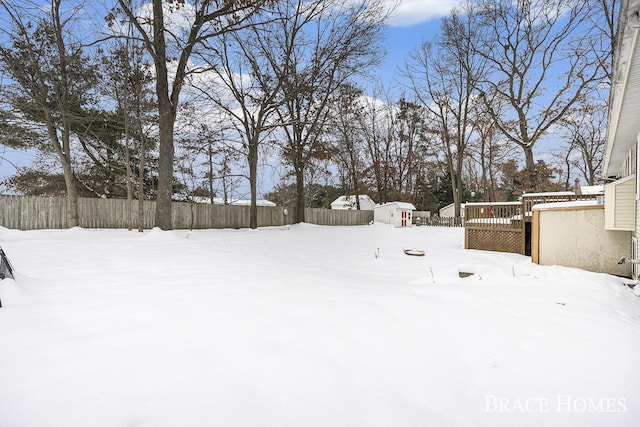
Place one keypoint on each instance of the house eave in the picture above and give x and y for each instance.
(624, 109)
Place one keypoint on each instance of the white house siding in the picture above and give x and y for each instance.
(625, 217)
(619, 204)
(633, 251)
(449, 211)
(623, 127)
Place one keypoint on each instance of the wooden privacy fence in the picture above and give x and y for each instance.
(336, 216)
(34, 213)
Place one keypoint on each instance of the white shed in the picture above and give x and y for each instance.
(350, 203)
(398, 214)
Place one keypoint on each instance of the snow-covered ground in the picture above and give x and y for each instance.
(307, 326)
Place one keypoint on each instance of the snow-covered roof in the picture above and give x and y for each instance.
(573, 204)
(242, 202)
(550, 193)
(351, 198)
(347, 202)
(234, 202)
(401, 205)
(592, 189)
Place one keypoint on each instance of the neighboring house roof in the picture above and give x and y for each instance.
(624, 105)
(243, 202)
(234, 202)
(400, 205)
(349, 202)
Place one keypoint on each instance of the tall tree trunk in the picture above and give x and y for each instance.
(127, 162)
(456, 187)
(253, 179)
(141, 186)
(530, 168)
(72, 192)
(65, 153)
(129, 173)
(165, 173)
(141, 166)
(62, 150)
(166, 122)
(300, 203)
(210, 171)
(298, 167)
(530, 163)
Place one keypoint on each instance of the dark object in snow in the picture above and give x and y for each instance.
(6, 271)
(464, 274)
(414, 252)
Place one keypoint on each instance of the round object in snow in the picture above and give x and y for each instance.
(414, 252)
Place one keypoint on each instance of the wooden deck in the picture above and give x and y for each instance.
(506, 226)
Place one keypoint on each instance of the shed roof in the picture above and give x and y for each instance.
(400, 205)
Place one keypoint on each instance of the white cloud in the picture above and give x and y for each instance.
(410, 12)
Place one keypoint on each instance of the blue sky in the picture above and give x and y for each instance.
(412, 22)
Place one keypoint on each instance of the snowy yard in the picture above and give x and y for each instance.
(307, 326)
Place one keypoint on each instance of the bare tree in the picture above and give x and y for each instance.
(541, 59)
(408, 145)
(242, 85)
(487, 151)
(377, 124)
(289, 62)
(585, 131)
(171, 47)
(396, 146)
(131, 82)
(332, 41)
(347, 138)
(603, 18)
(443, 77)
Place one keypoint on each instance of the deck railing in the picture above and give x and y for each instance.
(530, 200)
(507, 215)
